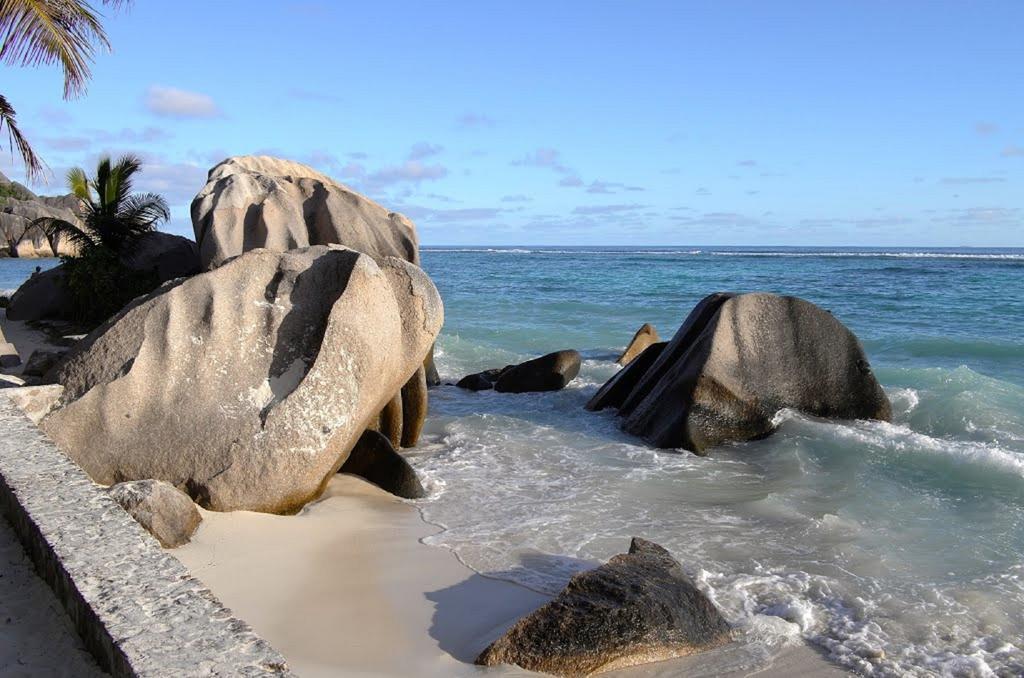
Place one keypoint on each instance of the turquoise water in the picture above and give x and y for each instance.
(895, 548)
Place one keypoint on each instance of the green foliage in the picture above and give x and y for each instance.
(12, 191)
(100, 285)
(4, 302)
(113, 219)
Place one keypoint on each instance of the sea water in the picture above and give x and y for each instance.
(895, 548)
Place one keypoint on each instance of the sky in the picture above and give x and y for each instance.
(856, 123)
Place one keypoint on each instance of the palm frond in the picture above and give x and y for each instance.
(34, 166)
(59, 228)
(78, 182)
(121, 177)
(144, 210)
(42, 32)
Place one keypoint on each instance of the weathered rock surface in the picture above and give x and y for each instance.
(45, 297)
(251, 202)
(248, 385)
(644, 337)
(734, 363)
(260, 201)
(547, 373)
(637, 608)
(35, 401)
(166, 512)
(19, 207)
(375, 459)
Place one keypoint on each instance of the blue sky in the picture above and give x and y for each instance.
(577, 123)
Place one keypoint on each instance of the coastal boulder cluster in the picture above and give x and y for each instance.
(19, 209)
(736, 361)
(294, 340)
(302, 343)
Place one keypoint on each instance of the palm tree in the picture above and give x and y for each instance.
(113, 217)
(42, 32)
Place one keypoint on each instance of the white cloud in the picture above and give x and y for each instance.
(412, 171)
(424, 150)
(178, 103)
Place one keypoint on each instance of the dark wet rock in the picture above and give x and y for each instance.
(734, 363)
(548, 373)
(482, 381)
(637, 608)
(644, 337)
(166, 512)
(41, 361)
(375, 459)
(414, 408)
(618, 388)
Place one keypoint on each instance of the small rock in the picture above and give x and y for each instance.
(374, 459)
(551, 372)
(40, 362)
(481, 381)
(637, 608)
(644, 337)
(166, 512)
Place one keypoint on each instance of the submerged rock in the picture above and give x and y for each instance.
(375, 459)
(637, 608)
(482, 381)
(247, 385)
(166, 512)
(644, 337)
(551, 372)
(733, 364)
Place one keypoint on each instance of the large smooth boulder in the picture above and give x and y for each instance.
(644, 337)
(637, 608)
(260, 201)
(734, 363)
(166, 512)
(45, 296)
(550, 372)
(255, 201)
(247, 385)
(375, 459)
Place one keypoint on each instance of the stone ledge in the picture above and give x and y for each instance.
(137, 608)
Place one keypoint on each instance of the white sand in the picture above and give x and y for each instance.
(25, 339)
(346, 588)
(36, 636)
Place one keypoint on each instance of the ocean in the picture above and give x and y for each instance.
(895, 549)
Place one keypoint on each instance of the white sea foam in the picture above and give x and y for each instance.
(861, 537)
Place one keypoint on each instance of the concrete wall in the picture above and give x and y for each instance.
(137, 608)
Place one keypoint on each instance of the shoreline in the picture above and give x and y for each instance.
(347, 585)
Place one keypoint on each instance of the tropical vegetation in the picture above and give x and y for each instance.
(113, 219)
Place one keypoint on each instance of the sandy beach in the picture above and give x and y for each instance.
(36, 636)
(346, 587)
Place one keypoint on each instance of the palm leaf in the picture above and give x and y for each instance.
(78, 182)
(34, 166)
(42, 32)
(59, 228)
